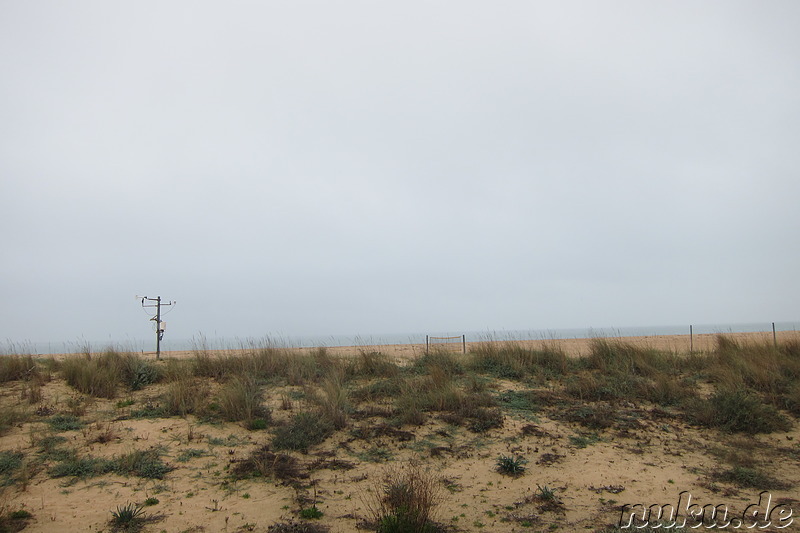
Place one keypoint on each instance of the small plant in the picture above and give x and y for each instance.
(81, 467)
(310, 513)
(405, 501)
(152, 500)
(303, 431)
(512, 466)
(20, 514)
(10, 416)
(522, 403)
(127, 517)
(65, 423)
(582, 441)
(9, 463)
(265, 463)
(257, 424)
(545, 493)
(142, 463)
(376, 454)
(192, 453)
(750, 477)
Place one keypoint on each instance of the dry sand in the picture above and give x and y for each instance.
(651, 462)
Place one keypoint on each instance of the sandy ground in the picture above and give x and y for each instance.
(651, 460)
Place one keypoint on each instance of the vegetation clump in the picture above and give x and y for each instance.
(739, 410)
(405, 501)
(302, 431)
(128, 517)
(264, 463)
(65, 422)
(511, 465)
(101, 375)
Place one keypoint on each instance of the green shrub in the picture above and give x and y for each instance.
(20, 514)
(521, 402)
(128, 517)
(584, 440)
(10, 462)
(257, 424)
(192, 453)
(739, 411)
(81, 467)
(141, 463)
(512, 466)
(138, 373)
(545, 493)
(14, 520)
(310, 513)
(750, 478)
(384, 388)
(150, 410)
(599, 386)
(49, 446)
(65, 423)
(303, 431)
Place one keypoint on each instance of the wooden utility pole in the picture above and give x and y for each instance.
(160, 326)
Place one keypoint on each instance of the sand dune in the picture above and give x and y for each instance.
(645, 454)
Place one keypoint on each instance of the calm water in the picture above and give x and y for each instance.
(220, 343)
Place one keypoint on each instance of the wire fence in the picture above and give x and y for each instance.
(691, 331)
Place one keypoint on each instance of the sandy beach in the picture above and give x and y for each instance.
(572, 347)
(645, 454)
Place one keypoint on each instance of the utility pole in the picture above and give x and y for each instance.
(160, 326)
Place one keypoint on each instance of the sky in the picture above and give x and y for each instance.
(365, 168)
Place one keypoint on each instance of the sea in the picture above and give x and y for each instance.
(223, 343)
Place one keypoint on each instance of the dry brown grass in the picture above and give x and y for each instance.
(405, 499)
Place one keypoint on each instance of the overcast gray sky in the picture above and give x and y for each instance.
(319, 168)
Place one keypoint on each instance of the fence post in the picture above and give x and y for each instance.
(691, 339)
(774, 337)
(464, 344)
(427, 344)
